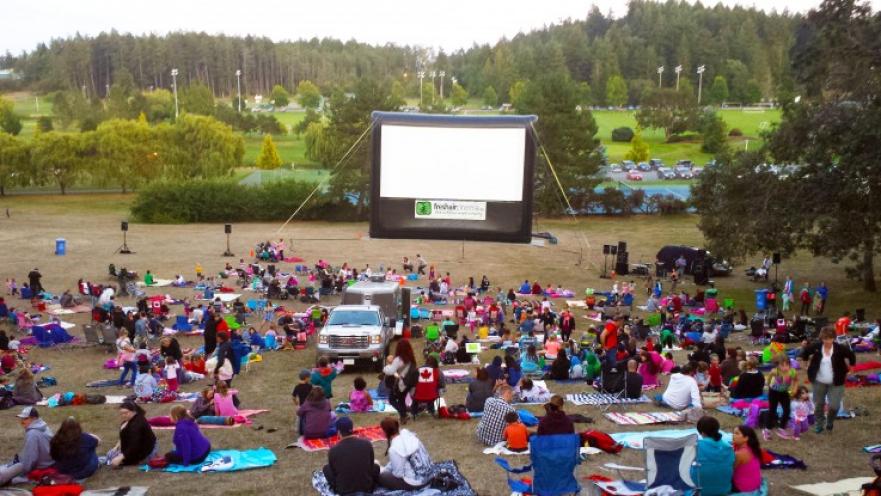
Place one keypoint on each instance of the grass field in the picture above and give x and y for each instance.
(90, 223)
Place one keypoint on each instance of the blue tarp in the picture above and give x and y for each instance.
(227, 461)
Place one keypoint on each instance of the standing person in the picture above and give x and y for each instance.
(323, 376)
(420, 264)
(401, 376)
(34, 277)
(74, 450)
(567, 325)
(210, 334)
(804, 296)
(126, 354)
(35, 454)
(787, 293)
(828, 365)
(491, 429)
(190, 445)
(137, 443)
(224, 354)
(715, 459)
(782, 384)
(680, 264)
(351, 468)
(409, 465)
(822, 293)
(747, 474)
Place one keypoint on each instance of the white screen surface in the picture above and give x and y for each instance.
(454, 163)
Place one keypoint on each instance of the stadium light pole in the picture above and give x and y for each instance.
(700, 81)
(239, 87)
(174, 85)
(421, 76)
(433, 77)
(660, 71)
(442, 74)
(677, 70)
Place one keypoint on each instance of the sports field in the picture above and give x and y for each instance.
(90, 223)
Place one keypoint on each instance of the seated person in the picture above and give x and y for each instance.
(555, 420)
(532, 393)
(351, 467)
(682, 391)
(751, 383)
(516, 435)
(316, 419)
(560, 368)
(715, 459)
(35, 453)
(634, 380)
(74, 450)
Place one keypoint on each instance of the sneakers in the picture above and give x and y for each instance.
(829, 426)
(766, 434)
(818, 428)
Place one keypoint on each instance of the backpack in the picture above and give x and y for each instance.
(601, 440)
(411, 377)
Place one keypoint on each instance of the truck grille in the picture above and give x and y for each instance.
(349, 342)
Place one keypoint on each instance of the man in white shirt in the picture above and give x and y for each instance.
(682, 392)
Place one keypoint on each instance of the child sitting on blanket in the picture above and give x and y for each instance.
(145, 384)
(532, 393)
(802, 412)
(224, 400)
(359, 398)
(516, 435)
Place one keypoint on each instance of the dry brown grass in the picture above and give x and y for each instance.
(91, 226)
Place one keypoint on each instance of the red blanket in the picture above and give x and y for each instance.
(373, 434)
(863, 366)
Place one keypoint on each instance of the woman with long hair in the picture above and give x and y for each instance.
(190, 446)
(74, 450)
(401, 375)
(137, 443)
(409, 465)
(747, 475)
(25, 391)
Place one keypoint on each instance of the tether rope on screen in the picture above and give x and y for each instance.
(322, 182)
(570, 211)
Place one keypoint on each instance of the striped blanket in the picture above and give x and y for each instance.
(602, 399)
(373, 434)
(637, 418)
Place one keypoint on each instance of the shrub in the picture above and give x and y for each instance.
(622, 134)
(227, 201)
(735, 132)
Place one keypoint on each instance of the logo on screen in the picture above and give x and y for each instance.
(423, 208)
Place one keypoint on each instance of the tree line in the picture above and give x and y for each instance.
(745, 51)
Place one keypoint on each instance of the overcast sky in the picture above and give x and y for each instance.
(449, 25)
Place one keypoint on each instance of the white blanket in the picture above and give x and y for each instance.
(224, 297)
(838, 488)
(157, 283)
(500, 449)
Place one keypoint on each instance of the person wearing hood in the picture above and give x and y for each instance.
(715, 459)
(36, 451)
(323, 376)
(34, 277)
(555, 421)
(409, 466)
(494, 369)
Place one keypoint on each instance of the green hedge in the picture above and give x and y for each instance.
(227, 201)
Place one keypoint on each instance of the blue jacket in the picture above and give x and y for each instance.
(189, 442)
(83, 463)
(716, 467)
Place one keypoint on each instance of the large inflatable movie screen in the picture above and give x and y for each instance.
(452, 177)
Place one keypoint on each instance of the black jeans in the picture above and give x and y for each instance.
(414, 407)
(174, 458)
(397, 399)
(778, 398)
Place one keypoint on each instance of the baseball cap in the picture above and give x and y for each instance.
(305, 374)
(29, 412)
(344, 426)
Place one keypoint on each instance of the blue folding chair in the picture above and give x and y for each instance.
(554, 459)
(181, 324)
(668, 462)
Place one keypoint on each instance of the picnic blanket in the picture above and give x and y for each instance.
(843, 413)
(500, 449)
(59, 310)
(638, 418)
(373, 434)
(109, 400)
(457, 376)
(226, 461)
(224, 297)
(157, 283)
(634, 440)
(773, 460)
(319, 482)
(103, 383)
(246, 414)
(864, 366)
(838, 488)
(581, 399)
(379, 406)
(117, 491)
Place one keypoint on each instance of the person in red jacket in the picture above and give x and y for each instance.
(428, 386)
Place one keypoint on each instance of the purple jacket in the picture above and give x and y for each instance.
(189, 442)
(315, 417)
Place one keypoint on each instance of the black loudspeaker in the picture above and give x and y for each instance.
(777, 258)
(622, 246)
(606, 249)
(613, 250)
(124, 225)
(227, 228)
(622, 265)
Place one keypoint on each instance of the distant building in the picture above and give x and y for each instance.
(9, 75)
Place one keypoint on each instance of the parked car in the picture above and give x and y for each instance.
(644, 166)
(696, 171)
(628, 165)
(615, 168)
(683, 173)
(685, 163)
(666, 173)
(656, 163)
(633, 175)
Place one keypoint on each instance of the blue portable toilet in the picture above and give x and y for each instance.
(761, 299)
(60, 246)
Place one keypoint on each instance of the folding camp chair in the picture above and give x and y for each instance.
(554, 458)
(91, 334)
(181, 324)
(108, 336)
(613, 381)
(668, 462)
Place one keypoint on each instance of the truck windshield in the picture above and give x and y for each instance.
(354, 317)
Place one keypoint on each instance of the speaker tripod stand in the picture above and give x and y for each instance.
(228, 252)
(124, 249)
